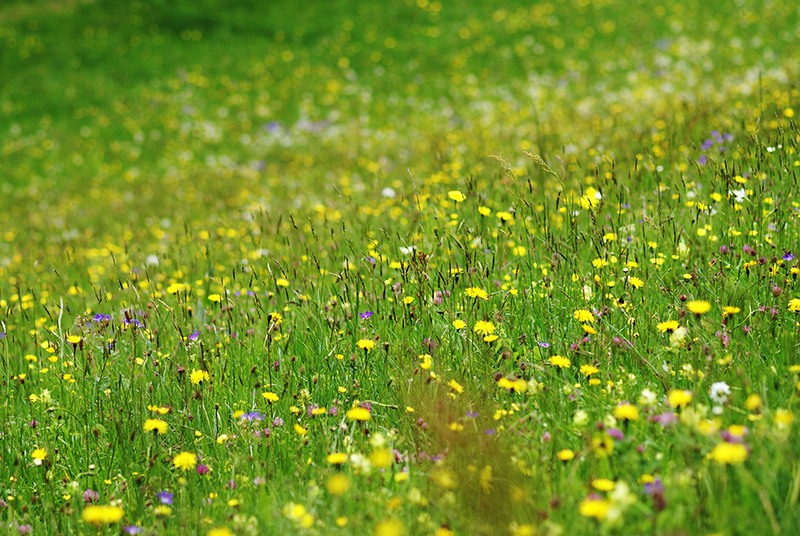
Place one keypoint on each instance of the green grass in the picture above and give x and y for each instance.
(414, 208)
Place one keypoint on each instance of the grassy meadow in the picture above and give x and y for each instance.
(399, 268)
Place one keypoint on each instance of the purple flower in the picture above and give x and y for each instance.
(277, 422)
(25, 529)
(202, 469)
(231, 484)
(546, 437)
(616, 434)
(100, 317)
(194, 336)
(491, 431)
(788, 257)
(90, 496)
(702, 160)
(366, 314)
(252, 416)
(132, 529)
(666, 419)
(707, 145)
(654, 487)
(544, 344)
(259, 481)
(472, 414)
(164, 497)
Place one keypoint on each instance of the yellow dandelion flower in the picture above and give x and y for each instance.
(603, 484)
(271, 397)
(560, 361)
(219, 531)
(635, 282)
(366, 344)
(155, 425)
(667, 326)
(729, 453)
(783, 418)
(459, 324)
(565, 455)
(389, 527)
(198, 376)
(729, 310)
(678, 398)
(427, 361)
(336, 458)
(477, 293)
(359, 414)
(596, 508)
(794, 305)
(185, 461)
(455, 386)
(589, 329)
(299, 430)
(582, 315)
(628, 412)
(382, 458)
(589, 370)
(338, 484)
(102, 514)
(698, 307)
(484, 327)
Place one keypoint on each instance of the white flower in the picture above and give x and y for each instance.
(740, 194)
(719, 392)
(581, 418)
(648, 398)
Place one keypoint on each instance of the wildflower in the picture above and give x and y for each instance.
(299, 430)
(427, 361)
(132, 529)
(214, 298)
(794, 305)
(484, 327)
(593, 507)
(198, 376)
(359, 414)
(678, 398)
(155, 425)
(455, 386)
(38, 456)
(635, 282)
(365, 315)
(719, 392)
(565, 455)
(456, 196)
(698, 307)
(582, 315)
(185, 461)
(459, 324)
(729, 453)
(589, 329)
(366, 344)
(729, 310)
(90, 496)
(603, 484)
(270, 397)
(382, 458)
(219, 531)
(626, 411)
(515, 384)
(389, 527)
(667, 326)
(102, 515)
(336, 458)
(338, 484)
(477, 293)
(559, 361)
(589, 370)
(783, 418)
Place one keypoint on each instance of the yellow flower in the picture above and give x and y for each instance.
(162, 510)
(366, 344)
(560, 361)
(678, 398)
(299, 430)
(455, 386)
(477, 293)
(698, 307)
(565, 455)
(271, 397)
(219, 531)
(629, 412)
(214, 297)
(459, 324)
(753, 402)
(783, 418)
(74, 339)
(589, 370)
(794, 305)
(596, 508)
(336, 458)
(359, 414)
(338, 484)
(668, 325)
(427, 361)
(102, 515)
(635, 282)
(38, 456)
(185, 461)
(484, 328)
(282, 282)
(582, 315)
(389, 527)
(156, 425)
(456, 196)
(517, 384)
(729, 453)
(382, 458)
(589, 329)
(603, 484)
(729, 310)
(407, 300)
(490, 338)
(198, 376)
